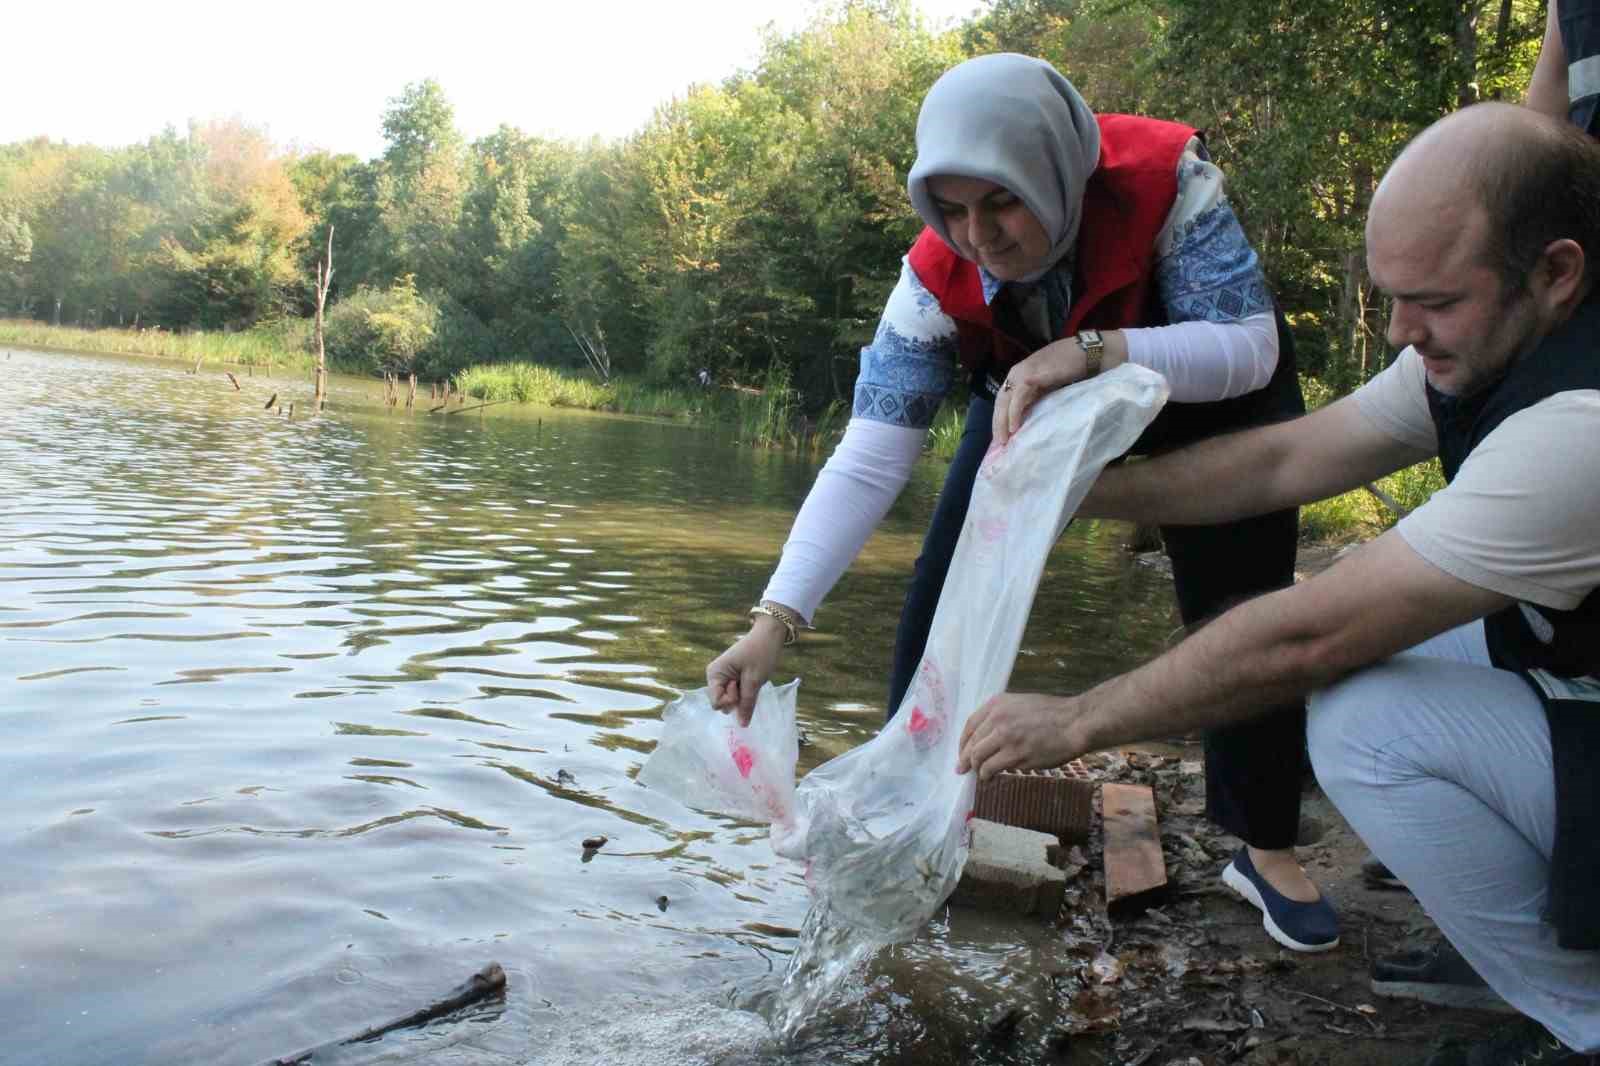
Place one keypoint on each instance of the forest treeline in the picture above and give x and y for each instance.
(751, 227)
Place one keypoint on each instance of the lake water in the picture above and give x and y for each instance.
(302, 721)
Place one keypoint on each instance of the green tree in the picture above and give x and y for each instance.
(16, 249)
(238, 258)
(418, 186)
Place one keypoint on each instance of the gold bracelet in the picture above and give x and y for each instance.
(791, 622)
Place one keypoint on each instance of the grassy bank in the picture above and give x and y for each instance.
(769, 416)
(278, 346)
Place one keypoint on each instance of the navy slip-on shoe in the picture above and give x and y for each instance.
(1297, 926)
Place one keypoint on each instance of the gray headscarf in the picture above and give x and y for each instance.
(1013, 120)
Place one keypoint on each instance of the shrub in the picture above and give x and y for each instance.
(381, 330)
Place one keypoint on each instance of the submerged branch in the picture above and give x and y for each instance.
(489, 981)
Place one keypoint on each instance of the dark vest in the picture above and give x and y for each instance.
(1542, 644)
(1580, 35)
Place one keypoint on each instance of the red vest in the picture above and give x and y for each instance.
(1125, 204)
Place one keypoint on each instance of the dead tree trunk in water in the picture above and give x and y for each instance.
(411, 392)
(324, 275)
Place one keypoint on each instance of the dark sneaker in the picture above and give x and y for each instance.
(1437, 975)
(1377, 875)
(1525, 1044)
(1297, 926)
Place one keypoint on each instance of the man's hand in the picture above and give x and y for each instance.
(735, 676)
(1056, 364)
(1020, 731)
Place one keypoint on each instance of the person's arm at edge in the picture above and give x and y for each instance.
(1237, 475)
(1274, 649)
(1547, 88)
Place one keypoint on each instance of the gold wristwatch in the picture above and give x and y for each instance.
(1094, 349)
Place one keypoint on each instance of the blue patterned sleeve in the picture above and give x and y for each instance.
(911, 363)
(1206, 269)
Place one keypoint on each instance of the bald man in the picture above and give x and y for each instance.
(1452, 662)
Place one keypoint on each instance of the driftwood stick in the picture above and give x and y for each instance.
(232, 379)
(475, 407)
(487, 982)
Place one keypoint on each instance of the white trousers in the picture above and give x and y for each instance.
(1442, 764)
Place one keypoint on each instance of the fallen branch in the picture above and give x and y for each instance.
(1377, 1028)
(475, 407)
(489, 981)
(232, 379)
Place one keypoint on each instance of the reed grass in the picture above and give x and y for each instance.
(944, 436)
(531, 383)
(274, 345)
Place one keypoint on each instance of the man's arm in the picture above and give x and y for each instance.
(1331, 450)
(1378, 601)
(1547, 89)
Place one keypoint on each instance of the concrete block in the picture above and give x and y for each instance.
(1011, 869)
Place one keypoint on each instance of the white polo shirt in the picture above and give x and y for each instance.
(1522, 516)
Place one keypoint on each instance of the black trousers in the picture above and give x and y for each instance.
(1253, 769)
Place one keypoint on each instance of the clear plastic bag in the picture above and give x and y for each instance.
(883, 827)
(707, 760)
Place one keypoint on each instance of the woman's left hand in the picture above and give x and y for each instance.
(1058, 363)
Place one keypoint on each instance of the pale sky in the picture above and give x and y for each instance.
(319, 74)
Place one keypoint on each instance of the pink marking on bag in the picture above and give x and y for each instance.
(744, 759)
(919, 721)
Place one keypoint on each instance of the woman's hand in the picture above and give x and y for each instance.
(1020, 731)
(1058, 363)
(735, 676)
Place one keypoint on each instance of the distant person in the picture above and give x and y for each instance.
(704, 378)
(1059, 243)
(1454, 662)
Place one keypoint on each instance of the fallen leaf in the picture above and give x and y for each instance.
(1107, 967)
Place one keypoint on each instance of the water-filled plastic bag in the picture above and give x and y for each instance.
(883, 828)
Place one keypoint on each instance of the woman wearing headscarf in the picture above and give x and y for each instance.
(1058, 244)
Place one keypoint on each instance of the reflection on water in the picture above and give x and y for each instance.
(303, 721)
